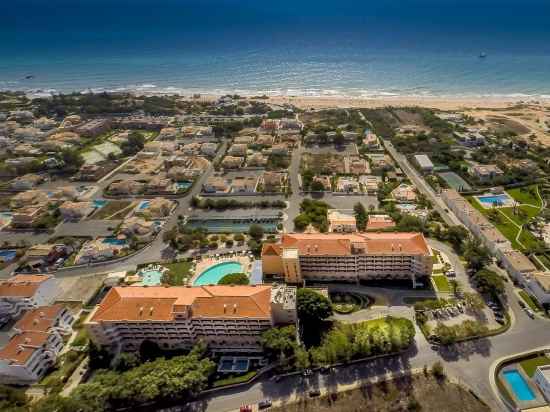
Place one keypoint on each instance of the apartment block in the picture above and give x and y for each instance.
(348, 257)
(226, 318)
(37, 339)
(25, 292)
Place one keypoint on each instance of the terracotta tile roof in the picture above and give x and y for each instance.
(20, 347)
(271, 249)
(22, 285)
(40, 319)
(159, 303)
(376, 222)
(336, 244)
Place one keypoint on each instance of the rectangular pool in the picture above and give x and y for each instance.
(519, 386)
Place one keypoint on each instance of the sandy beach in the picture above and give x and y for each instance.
(441, 103)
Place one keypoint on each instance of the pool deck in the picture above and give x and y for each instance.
(539, 399)
(209, 261)
(508, 202)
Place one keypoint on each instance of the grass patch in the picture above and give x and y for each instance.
(111, 208)
(530, 365)
(525, 195)
(530, 301)
(178, 273)
(442, 284)
(231, 380)
(544, 260)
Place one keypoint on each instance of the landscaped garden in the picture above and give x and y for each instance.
(511, 221)
(345, 303)
(529, 365)
(441, 283)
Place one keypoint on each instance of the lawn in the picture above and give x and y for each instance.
(530, 302)
(527, 213)
(111, 208)
(530, 365)
(544, 260)
(442, 284)
(234, 379)
(179, 272)
(523, 195)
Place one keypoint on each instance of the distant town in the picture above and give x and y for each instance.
(237, 253)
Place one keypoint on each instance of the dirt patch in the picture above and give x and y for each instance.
(407, 118)
(323, 163)
(506, 124)
(410, 393)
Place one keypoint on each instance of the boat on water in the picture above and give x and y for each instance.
(482, 55)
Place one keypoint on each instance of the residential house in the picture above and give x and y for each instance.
(28, 216)
(168, 133)
(29, 198)
(424, 163)
(341, 221)
(244, 184)
(26, 182)
(237, 150)
(370, 184)
(97, 250)
(379, 222)
(160, 208)
(75, 210)
(404, 193)
(256, 160)
(371, 140)
(246, 140)
(209, 149)
(216, 184)
(91, 172)
(348, 185)
(94, 127)
(160, 185)
(46, 254)
(486, 173)
(232, 162)
(280, 149)
(126, 187)
(142, 229)
(324, 180)
(265, 140)
(273, 182)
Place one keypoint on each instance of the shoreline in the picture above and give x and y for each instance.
(307, 102)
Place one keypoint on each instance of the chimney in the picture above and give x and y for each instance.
(234, 308)
(224, 308)
(141, 311)
(35, 321)
(400, 247)
(42, 314)
(392, 247)
(315, 247)
(151, 310)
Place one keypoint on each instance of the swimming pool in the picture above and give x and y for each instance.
(5, 218)
(494, 200)
(114, 241)
(184, 185)
(7, 255)
(151, 277)
(521, 389)
(213, 274)
(99, 203)
(143, 205)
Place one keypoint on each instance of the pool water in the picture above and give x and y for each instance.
(114, 241)
(99, 203)
(143, 205)
(184, 185)
(493, 199)
(521, 389)
(151, 277)
(7, 255)
(213, 274)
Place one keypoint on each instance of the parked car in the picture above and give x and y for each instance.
(266, 403)
(530, 313)
(521, 303)
(307, 372)
(314, 392)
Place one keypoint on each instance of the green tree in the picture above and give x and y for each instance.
(134, 144)
(477, 255)
(301, 221)
(457, 235)
(280, 342)
(72, 160)
(317, 186)
(312, 307)
(302, 360)
(234, 279)
(489, 282)
(361, 216)
(256, 232)
(125, 361)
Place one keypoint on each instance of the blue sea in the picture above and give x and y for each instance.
(283, 47)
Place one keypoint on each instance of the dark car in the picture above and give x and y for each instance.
(521, 303)
(314, 392)
(266, 403)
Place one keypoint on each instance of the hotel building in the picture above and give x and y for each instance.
(226, 318)
(348, 257)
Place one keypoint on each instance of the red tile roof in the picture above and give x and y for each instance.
(40, 319)
(158, 303)
(20, 347)
(22, 285)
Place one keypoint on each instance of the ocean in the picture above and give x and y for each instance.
(299, 47)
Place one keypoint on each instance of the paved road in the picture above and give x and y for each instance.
(421, 185)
